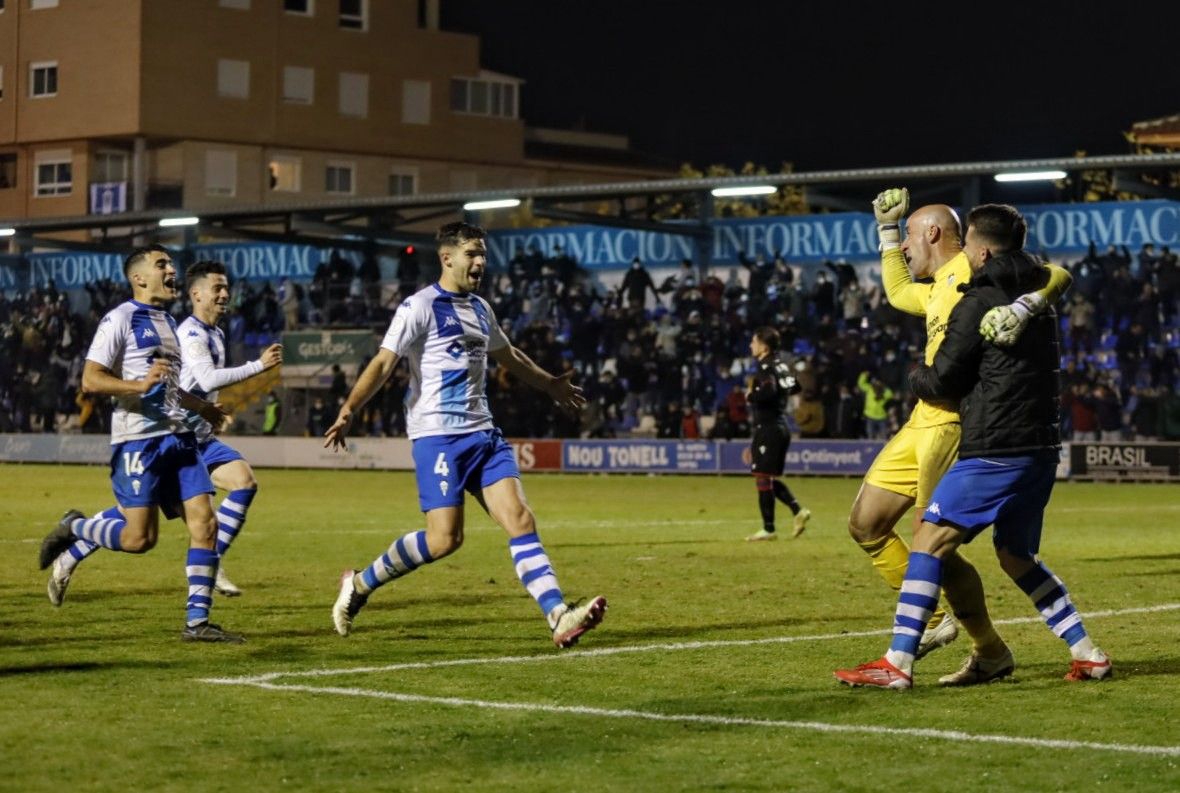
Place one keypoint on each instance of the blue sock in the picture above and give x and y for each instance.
(915, 604)
(1049, 595)
(83, 548)
(103, 529)
(535, 572)
(405, 555)
(201, 569)
(231, 516)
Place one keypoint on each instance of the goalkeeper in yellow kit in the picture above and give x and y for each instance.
(921, 276)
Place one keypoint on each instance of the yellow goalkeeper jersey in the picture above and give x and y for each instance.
(934, 301)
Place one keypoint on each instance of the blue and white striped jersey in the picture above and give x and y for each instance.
(129, 339)
(446, 337)
(202, 371)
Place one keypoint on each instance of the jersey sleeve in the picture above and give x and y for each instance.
(496, 338)
(410, 322)
(196, 356)
(900, 289)
(107, 346)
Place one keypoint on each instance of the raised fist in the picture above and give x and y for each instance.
(891, 205)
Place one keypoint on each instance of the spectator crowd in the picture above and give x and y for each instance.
(661, 355)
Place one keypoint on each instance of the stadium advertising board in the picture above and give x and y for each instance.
(639, 456)
(326, 347)
(850, 458)
(536, 455)
(1057, 229)
(1123, 461)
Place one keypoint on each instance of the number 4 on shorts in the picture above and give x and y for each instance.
(440, 465)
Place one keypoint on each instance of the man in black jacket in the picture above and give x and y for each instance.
(772, 384)
(1005, 472)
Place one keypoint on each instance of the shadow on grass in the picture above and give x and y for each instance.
(1135, 558)
(53, 667)
(640, 543)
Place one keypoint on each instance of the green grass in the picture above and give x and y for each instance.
(101, 694)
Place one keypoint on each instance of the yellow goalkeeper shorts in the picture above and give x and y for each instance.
(914, 460)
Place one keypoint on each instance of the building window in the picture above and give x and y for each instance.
(403, 181)
(338, 178)
(298, 85)
(54, 173)
(43, 79)
(233, 78)
(243, 5)
(35, 4)
(354, 14)
(221, 172)
(484, 97)
(108, 166)
(304, 7)
(286, 173)
(7, 171)
(354, 94)
(415, 101)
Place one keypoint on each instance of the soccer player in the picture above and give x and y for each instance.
(1006, 468)
(445, 332)
(922, 276)
(202, 373)
(155, 460)
(770, 439)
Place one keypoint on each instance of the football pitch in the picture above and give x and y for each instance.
(712, 670)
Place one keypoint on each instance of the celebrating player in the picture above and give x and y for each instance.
(1006, 468)
(155, 460)
(202, 349)
(446, 332)
(922, 276)
(770, 439)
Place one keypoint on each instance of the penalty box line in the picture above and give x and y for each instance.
(630, 649)
(727, 721)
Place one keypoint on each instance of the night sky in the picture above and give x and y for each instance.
(836, 85)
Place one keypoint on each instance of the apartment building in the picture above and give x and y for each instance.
(145, 104)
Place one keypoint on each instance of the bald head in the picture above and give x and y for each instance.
(940, 216)
(933, 238)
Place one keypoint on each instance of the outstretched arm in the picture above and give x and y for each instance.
(1003, 325)
(370, 381)
(210, 378)
(560, 388)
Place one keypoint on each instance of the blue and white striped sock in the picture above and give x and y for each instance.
(201, 569)
(231, 516)
(1049, 595)
(535, 572)
(915, 604)
(103, 529)
(83, 548)
(405, 555)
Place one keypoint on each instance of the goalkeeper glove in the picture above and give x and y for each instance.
(889, 207)
(1003, 325)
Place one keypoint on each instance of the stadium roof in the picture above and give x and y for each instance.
(389, 221)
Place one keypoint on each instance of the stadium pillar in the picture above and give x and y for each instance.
(971, 192)
(703, 240)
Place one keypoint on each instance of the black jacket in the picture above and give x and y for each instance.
(1009, 396)
(772, 384)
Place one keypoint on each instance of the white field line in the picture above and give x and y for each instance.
(264, 682)
(640, 648)
(731, 721)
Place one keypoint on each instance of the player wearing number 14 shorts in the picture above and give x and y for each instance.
(445, 333)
